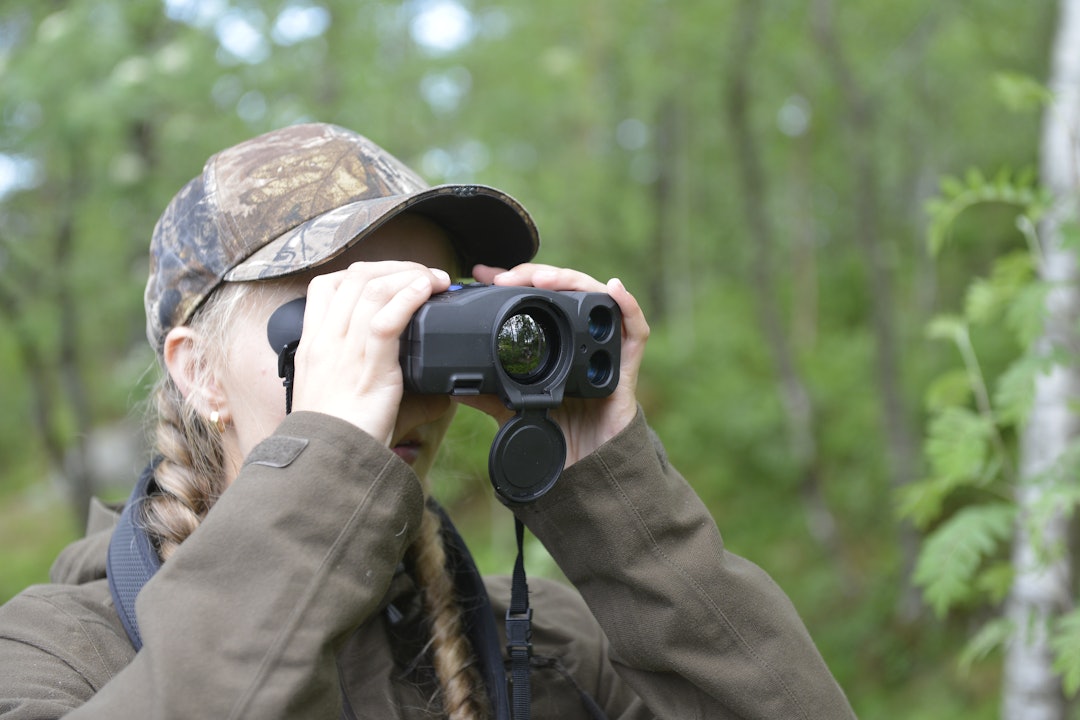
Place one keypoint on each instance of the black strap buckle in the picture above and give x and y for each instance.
(519, 633)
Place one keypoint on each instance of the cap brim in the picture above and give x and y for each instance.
(485, 226)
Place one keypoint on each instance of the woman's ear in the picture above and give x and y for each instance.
(190, 371)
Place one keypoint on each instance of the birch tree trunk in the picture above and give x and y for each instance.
(1041, 587)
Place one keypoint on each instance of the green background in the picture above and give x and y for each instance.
(755, 172)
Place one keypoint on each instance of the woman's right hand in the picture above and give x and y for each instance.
(347, 360)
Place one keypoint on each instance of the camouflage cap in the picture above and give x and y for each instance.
(295, 198)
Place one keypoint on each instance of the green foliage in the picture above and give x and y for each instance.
(1065, 641)
(966, 502)
(960, 451)
(949, 564)
(34, 527)
(991, 636)
(965, 445)
(960, 194)
(1060, 497)
(1020, 92)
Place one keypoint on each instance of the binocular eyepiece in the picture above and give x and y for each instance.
(528, 346)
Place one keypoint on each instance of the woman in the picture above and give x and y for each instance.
(287, 565)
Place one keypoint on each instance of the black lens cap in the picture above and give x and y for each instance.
(527, 457)
(285, 325)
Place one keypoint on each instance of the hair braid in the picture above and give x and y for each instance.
(463, 694)
(189, 474)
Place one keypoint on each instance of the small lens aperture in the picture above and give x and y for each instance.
(522, 347)
(599, 370)
(601, 324)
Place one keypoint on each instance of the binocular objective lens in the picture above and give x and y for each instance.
(522, 347)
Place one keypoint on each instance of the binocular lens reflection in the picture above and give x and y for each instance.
(522, 346)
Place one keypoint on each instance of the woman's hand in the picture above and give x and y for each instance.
(586, 423)
(347, 361)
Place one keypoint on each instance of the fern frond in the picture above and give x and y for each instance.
(958, 445)
(991, 636)
(1065, 643)
(958, 195)
(953, 553)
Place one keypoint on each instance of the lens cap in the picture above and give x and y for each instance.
(527, 457)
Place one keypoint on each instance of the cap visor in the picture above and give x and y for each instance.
(485, 225)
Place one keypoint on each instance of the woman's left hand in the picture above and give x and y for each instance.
(586, 423)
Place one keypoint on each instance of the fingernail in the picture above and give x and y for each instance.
(441, 274)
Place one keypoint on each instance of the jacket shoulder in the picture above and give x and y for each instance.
(61, 638)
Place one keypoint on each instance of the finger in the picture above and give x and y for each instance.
(388, 304)
(635, 326)
(320, 295)
(635, 331)
(370, 283)
(549, 277)
(486, 273)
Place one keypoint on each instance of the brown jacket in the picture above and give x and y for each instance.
(273, 607)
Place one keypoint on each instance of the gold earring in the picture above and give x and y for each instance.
(216, 421)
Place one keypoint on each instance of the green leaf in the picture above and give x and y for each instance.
(991, 636)
(1065, 643)
(951, 388)
(1021, 93)
(975, 179)
(921, 502)
(951, 187)
(1059, 497)
(959, 195)
(1026, 177)
(1026, 314)
(982, 301)
(947, 327)
(958, 444)
(954, 551)
(988, 298)
(996, 581)
(1014, 391)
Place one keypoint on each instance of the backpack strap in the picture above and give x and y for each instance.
(132, 559)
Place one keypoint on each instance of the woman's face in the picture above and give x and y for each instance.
(254, 393)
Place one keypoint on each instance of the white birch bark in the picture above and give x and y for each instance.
(1041, 588)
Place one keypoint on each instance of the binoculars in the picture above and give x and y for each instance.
(528, 346)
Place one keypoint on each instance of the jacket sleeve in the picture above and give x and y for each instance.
(698, 632)
(244, 620)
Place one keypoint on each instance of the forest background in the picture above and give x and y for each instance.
(757, 172)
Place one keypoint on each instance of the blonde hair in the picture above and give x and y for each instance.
(190, 477)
